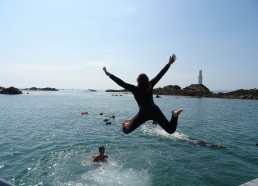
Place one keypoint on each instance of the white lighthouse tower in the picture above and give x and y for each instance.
(200, 77)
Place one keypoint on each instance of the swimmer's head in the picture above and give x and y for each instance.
(143, 81)
(102, 149)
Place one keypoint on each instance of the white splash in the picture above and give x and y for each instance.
(156, 130)
(110, 173)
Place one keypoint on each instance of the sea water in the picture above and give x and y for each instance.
(44, 140)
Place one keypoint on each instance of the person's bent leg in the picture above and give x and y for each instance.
(127, 126)
(173, 124)
(174, 120)
(159, 117)
(131, 124)
(169, 127)
(175, 113)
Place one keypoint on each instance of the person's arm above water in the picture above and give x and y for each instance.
(119, 81)
(95, 158)
(106, 72)
(155, 80)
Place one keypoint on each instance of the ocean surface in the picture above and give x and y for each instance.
(44, 140)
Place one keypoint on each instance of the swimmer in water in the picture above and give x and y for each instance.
(101, 157)
(143, 94)
(203, 143)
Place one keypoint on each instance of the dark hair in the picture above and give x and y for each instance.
(101, 147)
(143, 81)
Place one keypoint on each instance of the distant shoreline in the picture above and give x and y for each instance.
(199, 90)
(194, 90)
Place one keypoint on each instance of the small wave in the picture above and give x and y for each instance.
(155, 130)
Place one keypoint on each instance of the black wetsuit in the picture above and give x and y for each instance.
(148, 110)
(203, 143)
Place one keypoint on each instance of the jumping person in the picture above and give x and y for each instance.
(143, 94)
(101, 156)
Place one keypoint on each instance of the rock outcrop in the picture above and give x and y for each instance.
(10, 90)
(92, 90)
(168, 90)
(42, 89)
(49, 89)
(238, 94)
(196, 90)
(112, 90)
(200, 90)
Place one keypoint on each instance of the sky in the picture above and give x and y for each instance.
(64, 44)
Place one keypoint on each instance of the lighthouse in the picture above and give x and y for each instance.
(200, 77)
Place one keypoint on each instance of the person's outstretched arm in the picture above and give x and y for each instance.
(119, 81)
(155, 80)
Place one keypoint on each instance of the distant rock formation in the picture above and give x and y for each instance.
(112, 90)
(200, 90)
(49, 89)
(32, 88)
(41, 89)
(168, 90)
(10, 90)
(1, 88)
(92, 90)
(238, 94)
(196, 90)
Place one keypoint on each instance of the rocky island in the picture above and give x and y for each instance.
(200, 90)
(13, 90)
(92, 90)
(41, 89)
(10, 90)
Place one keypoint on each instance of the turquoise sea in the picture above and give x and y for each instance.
(44, 140)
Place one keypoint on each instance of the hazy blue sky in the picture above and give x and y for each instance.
(64, 44)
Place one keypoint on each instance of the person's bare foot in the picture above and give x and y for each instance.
(175, 113)
(127, 124)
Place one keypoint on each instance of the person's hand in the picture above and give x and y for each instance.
(172, 59)
(106, 72)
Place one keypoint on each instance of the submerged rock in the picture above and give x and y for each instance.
(10, 90)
